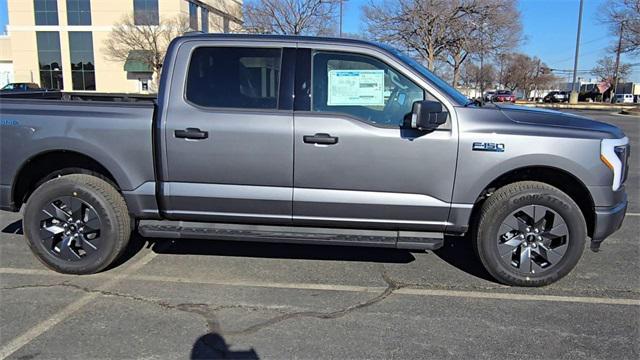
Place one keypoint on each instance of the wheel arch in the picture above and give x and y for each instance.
(559, 178)
(51, 163)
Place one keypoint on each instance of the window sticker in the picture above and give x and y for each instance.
(356, 87)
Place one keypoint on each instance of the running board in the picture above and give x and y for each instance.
(291, 234)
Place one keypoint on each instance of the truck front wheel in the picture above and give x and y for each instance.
(76, 224)
(529, 234)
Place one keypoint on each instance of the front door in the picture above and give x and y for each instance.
(355, 163)
(228, 140)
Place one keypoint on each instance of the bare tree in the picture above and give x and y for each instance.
(605, 69)
(447, 30)
(290, 17)
(490, 27)
(525, 73)
(471, 75)
(148, 42)
(420, 27)
(624, 15)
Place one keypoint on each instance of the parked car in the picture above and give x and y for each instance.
(11, 87)
(244, 143)
(488, 96)
(624, 98)
(504, 96)
(556, 96)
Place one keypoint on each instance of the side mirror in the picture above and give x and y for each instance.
(427, 115)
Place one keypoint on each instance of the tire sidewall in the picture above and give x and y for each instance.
(59, 187)
(487, 237)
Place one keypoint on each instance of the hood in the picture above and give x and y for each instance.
(552, 118)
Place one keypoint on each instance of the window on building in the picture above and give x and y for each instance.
(205, 19)
(46, 12)
(83, 74)
(362, 87)
(49, 59)
(225, 24)
(221, 77)
(193, 16)
(145, 12)
(79, 12)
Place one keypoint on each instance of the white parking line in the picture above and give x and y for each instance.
(354, 288)
(23, 339)
(521, 297)
(633, 214)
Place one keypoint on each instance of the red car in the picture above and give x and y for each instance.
(503, 96)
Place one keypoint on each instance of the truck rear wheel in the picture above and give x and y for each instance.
(77, 224)
(530, 234)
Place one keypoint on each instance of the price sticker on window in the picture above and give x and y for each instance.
(356, 88)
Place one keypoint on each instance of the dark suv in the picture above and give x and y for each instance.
(21, 87)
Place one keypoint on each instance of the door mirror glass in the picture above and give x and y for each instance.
(426, 115)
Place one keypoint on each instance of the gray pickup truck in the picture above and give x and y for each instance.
(310, 140)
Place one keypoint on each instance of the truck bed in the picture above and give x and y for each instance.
(117, 134)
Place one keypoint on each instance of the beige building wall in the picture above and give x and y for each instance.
(109, 75)
(6, 61)
(5, 49)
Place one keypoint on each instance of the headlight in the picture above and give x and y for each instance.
(614, 153)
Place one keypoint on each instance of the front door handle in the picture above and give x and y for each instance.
(322, 139)
(191, 133)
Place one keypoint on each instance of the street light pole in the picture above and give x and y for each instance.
(573, 99)
(341, 18)
(615, 74)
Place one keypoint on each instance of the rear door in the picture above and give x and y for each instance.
(228, 153)
(356, 164)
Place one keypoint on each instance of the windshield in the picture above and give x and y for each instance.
(454, 94)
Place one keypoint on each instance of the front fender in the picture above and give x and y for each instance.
(477, 169)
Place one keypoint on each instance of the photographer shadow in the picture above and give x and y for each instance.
(213, 346)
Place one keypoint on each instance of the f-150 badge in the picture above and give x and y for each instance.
(484, 146)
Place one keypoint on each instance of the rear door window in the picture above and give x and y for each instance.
(234, 77)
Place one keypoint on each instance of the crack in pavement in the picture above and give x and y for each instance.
(392, 285)
(204, 310)
(208, 313)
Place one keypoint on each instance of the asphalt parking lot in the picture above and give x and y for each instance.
(204, 299)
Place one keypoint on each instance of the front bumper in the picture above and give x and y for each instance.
(608, 221)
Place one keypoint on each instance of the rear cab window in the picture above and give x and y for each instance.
(234, 77)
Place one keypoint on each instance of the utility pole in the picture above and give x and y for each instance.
(615, 73)
(482, 78)
(573, 98)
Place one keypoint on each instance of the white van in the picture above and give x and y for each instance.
(624, 98)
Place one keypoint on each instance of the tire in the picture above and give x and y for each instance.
(518, 250)
(95, 232)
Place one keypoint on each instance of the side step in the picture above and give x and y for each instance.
(291, 234)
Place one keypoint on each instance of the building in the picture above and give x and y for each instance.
(6, 61)
(59, 44)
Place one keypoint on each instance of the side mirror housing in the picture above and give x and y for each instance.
(427, 115)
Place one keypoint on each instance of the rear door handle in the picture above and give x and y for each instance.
(322, 139)
(191, 133)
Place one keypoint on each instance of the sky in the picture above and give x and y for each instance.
(549, 28)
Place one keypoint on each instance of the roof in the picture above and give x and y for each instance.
(136, 62)
(284, 38)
